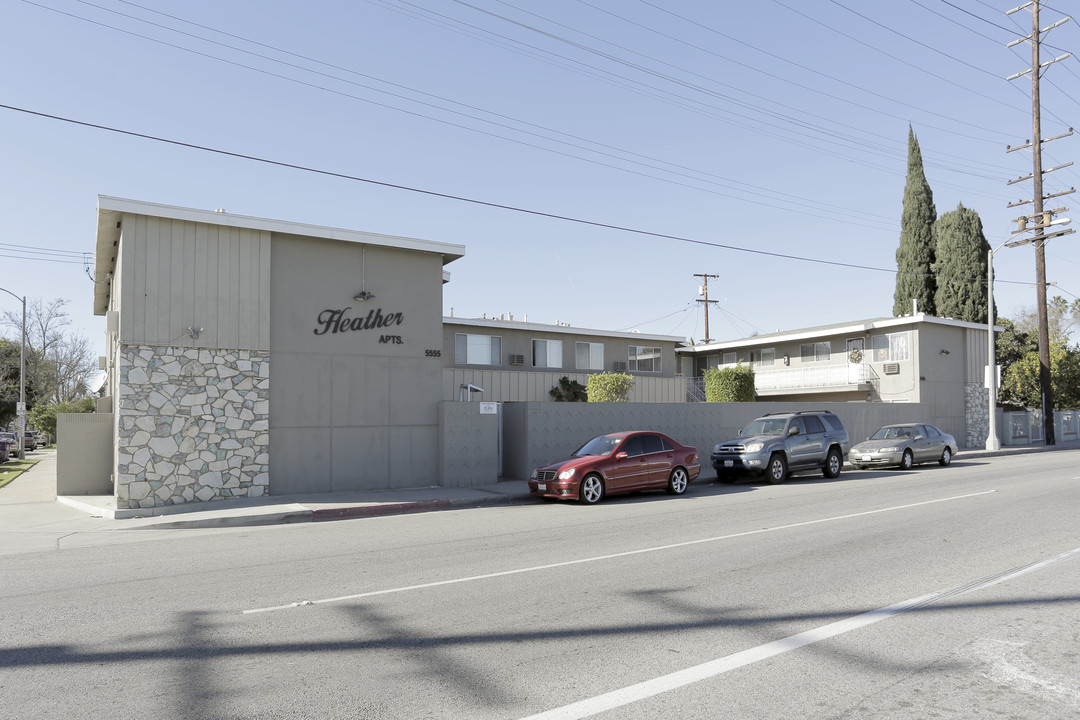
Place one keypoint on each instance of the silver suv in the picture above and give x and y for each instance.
(779, 444)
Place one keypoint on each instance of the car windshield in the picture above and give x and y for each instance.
(602, 446)
(893, 433)
(765, 426)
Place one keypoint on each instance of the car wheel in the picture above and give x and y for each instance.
(776, 473)
(833, 464)
(907, 460)
(591, 490)
(676, 484)
(946, 457)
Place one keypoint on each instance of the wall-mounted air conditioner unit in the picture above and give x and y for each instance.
(620, 366)
(891, 368)
(517, 359)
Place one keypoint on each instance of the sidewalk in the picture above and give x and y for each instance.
(30, 502)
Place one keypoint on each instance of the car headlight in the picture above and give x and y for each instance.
(533, 476)
(566, 474)
(889, 449)
(754, 447)
(717, 448)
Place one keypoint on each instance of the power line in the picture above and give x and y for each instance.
(473, 201)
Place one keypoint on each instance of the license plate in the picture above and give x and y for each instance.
(866, 458)
(729, 463)
(541, 487)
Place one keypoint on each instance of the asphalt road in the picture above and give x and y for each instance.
(938, 592)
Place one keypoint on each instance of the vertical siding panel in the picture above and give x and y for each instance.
(236, 271)
(245, 270)
(226, 309)
(199, 300)
(138, 276)
(178, 321)
(264, 290)
(188, 265)
(212, 303)
(126, 284)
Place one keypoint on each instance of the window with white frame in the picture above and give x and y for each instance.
(815, 352)
(764, 357)
(893, 347)
(589, 356)
(477, 349)
(730, 358)
(547, 353)
(643, 359)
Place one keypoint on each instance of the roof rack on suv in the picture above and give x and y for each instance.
(798, 412)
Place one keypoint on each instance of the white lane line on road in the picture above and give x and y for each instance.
(598, 558)
(641, 691)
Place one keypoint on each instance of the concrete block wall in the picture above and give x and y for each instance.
(468, 444)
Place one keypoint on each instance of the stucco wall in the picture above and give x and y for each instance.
(356, 394)
(84, 453)
(468, 444)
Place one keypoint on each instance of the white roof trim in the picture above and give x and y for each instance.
(859, 327)
(564, 329)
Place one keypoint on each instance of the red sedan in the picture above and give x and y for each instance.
(616, 463)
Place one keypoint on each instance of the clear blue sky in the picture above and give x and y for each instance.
(777, 126)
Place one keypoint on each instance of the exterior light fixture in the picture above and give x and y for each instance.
(943, 352)
(364, 295)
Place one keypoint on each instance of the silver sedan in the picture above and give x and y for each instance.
(904, 446)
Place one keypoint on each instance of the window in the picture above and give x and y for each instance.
(633, 446)
(643, 359)
(547, 353)
(652, 444)
(890, 348)
(815, 352)
(477, 349)
(813, 425)
(589, 356)
(764, 357)
(730, 358)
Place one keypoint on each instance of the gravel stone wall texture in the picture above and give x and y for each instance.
(193, 424)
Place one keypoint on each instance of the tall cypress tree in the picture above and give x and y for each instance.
(915, 256)
(960, 249)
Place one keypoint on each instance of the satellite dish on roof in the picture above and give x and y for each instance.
(98, 381)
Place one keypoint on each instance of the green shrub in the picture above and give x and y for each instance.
(732, 384)
(569, 391)
(610, 387)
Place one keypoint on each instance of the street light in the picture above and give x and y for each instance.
(20, 418)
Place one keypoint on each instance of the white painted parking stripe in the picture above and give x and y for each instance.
(612, 556)
(664, 683)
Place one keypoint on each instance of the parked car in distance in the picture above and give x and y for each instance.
(904, 446)
(8, 439)
(619, 462)
(42, 439)
(30, 441)
(778, 444)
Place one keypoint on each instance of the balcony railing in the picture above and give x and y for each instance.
(845, 376)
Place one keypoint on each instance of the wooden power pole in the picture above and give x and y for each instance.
(705, 292)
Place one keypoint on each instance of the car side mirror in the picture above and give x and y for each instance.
(792, 431)
(919, 437)
(621, 456)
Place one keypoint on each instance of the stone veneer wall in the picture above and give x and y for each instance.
(193, 424)
(976, 415)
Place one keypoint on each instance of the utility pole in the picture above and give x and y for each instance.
(1041, 220)
(705, 291)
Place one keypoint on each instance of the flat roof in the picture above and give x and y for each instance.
(111, 211)
(855, 327)
(492, 323)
